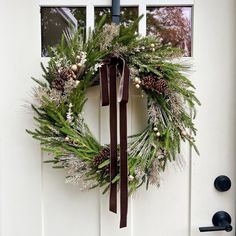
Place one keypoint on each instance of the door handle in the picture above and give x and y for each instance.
(222, 183)
(221, 222)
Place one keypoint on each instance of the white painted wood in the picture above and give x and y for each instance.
(142, 24)
(89, 18)
(108, 2)
(158, 210)
(66, 209)
(215, 60)
(153, 209)
(20, 187)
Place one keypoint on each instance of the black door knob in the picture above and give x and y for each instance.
(222, 183)
(221, 221)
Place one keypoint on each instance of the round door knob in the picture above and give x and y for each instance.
(222, 183)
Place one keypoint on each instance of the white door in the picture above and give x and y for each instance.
(34, 199)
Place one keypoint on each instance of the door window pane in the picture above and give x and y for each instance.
(128, 14)
(172, 24)
(56, 20)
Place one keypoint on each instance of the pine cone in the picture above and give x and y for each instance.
(148, 82)
(67, 74)
(103, 155)
(161, 86)
(58, 84)
(151, 82)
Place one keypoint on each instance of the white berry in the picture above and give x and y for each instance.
(131, 177)
(74, 68)
(67, 139)
(183, 133)
(158, 134)
(137, 86)
(155, 129)
(152, 45)
(136, 80)
(79, 64)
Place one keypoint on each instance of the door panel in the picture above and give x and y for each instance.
(156, 210)
(20, 184)
(66, 209)
(214, 54)
(164, 211)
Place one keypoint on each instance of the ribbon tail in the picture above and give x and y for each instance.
(124, 94)
(123, 166)
(113, 139)
(111, 98)
(104, 85)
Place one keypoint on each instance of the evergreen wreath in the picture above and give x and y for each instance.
(74, 67)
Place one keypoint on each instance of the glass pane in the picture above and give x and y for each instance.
(172, 24)
(55, 20)
(128, 14)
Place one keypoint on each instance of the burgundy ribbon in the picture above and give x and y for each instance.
(108, 76)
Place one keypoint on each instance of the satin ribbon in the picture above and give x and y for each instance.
(108, 76)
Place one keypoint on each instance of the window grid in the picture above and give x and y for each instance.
(142, 9)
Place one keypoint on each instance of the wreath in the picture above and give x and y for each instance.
(77, 64)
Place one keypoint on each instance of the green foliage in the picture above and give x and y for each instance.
(61, 128)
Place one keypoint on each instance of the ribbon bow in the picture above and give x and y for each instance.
(108, 75)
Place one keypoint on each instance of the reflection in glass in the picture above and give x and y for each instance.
(172, 24)
(56, 20)
(128, 14)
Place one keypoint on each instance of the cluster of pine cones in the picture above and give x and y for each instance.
(151, 82)
(63, 75)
